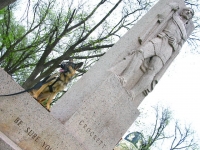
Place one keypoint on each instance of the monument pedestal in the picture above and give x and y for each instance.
(104, 116)
(97, 125)
(28, 124)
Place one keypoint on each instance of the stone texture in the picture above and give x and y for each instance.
(7, 144)
(99, 122)
(97, 103)
(25, 122)
(86, 86)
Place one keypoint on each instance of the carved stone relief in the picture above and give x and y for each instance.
(152, 55)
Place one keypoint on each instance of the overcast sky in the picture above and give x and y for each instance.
(178, 90)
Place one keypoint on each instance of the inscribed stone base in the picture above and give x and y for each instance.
(104, 116)
(27, 124)
(97, 125)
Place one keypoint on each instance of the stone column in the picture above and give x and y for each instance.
(102, 105)
(26, 125)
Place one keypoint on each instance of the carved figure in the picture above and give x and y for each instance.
(153, 55)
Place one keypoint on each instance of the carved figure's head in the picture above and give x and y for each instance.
(187, 13)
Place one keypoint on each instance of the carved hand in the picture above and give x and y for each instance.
(173, 42)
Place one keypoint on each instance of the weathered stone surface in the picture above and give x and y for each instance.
(25, 122)
(99, 122)
(95, 100)
(7, 144)
(86, 86)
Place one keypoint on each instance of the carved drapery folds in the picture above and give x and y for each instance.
(142, 68)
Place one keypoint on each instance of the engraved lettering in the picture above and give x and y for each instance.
(91, 134)
(94, 137)
(18, 121)
(100, 142)
(88, 130)
(81, 122)
(30, 133)
(43, 144)
(36, 139)
(46, 147)
(27, 130)
(85, 126)
(33, 135)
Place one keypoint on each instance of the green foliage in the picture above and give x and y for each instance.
(13, 53)
(36, 39)
(48, 31)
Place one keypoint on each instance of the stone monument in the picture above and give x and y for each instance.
(96, 112)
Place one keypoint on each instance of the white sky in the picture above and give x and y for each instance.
(179, 88)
